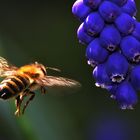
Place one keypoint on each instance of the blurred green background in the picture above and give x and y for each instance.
(46, 32)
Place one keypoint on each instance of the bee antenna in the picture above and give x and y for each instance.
(55, 69)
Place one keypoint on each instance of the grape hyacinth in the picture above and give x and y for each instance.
(112, 36)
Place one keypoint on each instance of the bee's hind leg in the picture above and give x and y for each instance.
(18, 102)
(32, 95)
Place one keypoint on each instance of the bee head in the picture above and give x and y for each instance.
(40, 69)
(35, 70)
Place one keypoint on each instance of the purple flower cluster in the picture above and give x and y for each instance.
(111, 33)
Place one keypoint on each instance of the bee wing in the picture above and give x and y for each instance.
(52, 81)
(6, 69)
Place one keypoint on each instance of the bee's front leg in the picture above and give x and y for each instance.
(43, 90)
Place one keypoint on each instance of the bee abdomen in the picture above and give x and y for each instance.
(13, 85)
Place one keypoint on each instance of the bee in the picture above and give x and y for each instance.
(21, 82)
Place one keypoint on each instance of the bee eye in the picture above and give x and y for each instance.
(44, 72)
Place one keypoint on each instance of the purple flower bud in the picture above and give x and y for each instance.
(125, 24)
(126, 95)
(109, 11)
(117, 67)
(130, 8)
(82, 35)
(95, 53)
(94, 24)
(110, 38)
(101, 77)
(80, 10)
(130, 47)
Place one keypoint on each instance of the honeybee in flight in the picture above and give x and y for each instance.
(23, 81)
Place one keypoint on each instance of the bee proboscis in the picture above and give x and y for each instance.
(23, 81)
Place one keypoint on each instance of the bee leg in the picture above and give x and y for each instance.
(43, 90)
(18, 102)
(32, 95)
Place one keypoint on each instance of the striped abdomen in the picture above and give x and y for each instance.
(13, 85)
